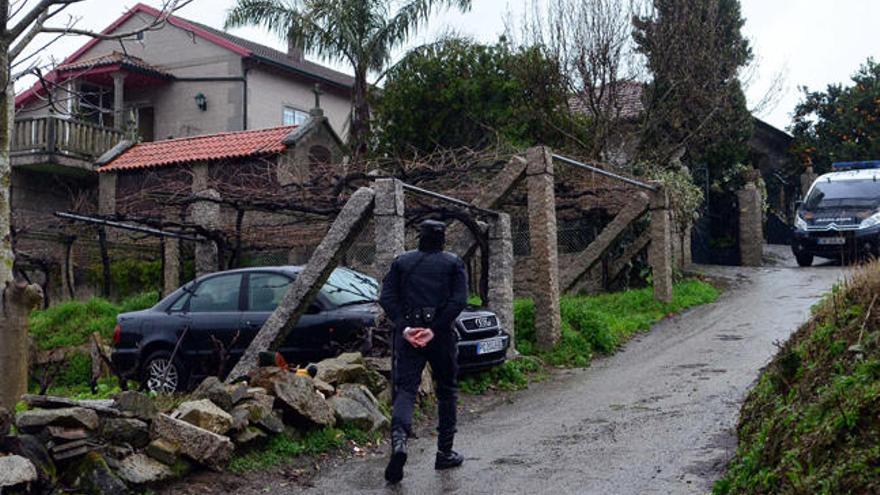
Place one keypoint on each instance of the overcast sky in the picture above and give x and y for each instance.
(810, 42)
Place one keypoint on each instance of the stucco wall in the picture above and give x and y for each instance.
(269, 92)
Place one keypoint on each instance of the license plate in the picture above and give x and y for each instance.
(489, 346)
(832, 241)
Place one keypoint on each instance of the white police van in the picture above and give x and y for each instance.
(840, 214)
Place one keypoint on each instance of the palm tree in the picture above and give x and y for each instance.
(362, 32)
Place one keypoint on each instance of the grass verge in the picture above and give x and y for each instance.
(810, 424)
(590, 324)
(282, 448)
(70, 324)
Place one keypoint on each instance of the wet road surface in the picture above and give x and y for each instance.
(658, 417)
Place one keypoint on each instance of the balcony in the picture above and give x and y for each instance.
(59, 145)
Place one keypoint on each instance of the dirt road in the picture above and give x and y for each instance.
(657, 417)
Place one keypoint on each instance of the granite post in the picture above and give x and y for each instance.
(660, 252)
(501, 275)
(542, 242)
(751, 219)
(390, 224)
(206, 214)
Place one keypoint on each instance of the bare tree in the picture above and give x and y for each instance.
(24, 21)
(592, 44)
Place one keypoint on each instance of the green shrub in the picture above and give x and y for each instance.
(70, 324)
(77, 371)
(129, 276)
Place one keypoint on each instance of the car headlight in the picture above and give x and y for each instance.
(870, 221)
(800, 223)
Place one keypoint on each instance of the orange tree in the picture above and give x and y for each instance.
(841, 123)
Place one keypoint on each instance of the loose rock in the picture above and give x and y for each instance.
(126, 430)
(5, 422)
(72, 417)
(335, 371)
(302, 406)
(367, 403)
(136, 403)
(139, 469)
(205, 414)
(215, 391)
(272, 423)
(201, 445)
(163, 451)
(250, 436)
(93, 476)
(266, 377)
(16, 470)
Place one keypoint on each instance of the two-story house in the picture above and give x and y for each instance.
(178, 80)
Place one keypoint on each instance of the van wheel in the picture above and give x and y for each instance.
(162, 375)
(804, 259)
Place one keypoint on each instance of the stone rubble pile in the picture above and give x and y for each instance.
(112, 446)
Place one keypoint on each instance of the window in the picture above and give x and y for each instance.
(266, 290)
(319, 155)
(216, 294)
(346, 287)
(292, 116)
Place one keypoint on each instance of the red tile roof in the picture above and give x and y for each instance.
(113, 58)
(219, 146)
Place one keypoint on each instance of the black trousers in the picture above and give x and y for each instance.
(409, 362)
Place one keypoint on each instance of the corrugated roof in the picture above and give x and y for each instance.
(219, 146)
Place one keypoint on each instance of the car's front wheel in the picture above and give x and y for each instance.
(161, 374)
(804, 259)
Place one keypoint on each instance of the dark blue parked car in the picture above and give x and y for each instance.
(224, 311)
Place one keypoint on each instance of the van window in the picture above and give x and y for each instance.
(849, 193)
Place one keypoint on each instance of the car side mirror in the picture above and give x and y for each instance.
(313, 309)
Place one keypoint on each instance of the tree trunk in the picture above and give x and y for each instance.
(18, 299)
(360, 115)
(105, 262)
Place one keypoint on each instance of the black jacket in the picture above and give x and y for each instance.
(425, 279)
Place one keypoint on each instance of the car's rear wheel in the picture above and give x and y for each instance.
(804, 259)
(161, 374)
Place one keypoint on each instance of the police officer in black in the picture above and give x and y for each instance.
(423, 293)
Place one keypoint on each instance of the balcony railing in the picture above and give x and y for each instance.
(55, 135)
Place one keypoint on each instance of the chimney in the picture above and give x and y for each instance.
(294, 50)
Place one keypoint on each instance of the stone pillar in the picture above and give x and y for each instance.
(542, 242)
(751, 220)
(170, 265)
(207, 215)
(501, 275)
(107, 193)
(807, 179)
(119, 100)
(390, 224)
(199, 177)
(660, 252)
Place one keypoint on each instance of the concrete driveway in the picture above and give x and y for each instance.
(658, 417)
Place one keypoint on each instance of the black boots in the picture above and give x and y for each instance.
(448, 460)
(446, 457)
(394, 471)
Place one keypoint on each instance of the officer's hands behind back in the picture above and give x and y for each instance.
(418, 337)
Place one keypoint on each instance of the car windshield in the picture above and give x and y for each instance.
(345, 287)
(849, 193)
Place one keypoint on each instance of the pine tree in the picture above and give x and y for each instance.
(694, 50)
